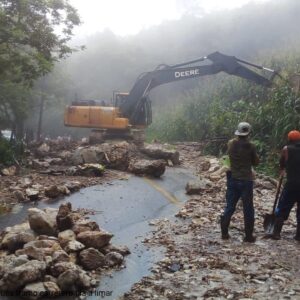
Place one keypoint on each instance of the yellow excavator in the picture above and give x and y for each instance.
(131, 112)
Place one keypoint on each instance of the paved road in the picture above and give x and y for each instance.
(125, 208)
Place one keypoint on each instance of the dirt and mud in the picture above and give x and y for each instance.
(197, 263)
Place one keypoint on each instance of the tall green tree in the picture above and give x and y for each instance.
(34, 34)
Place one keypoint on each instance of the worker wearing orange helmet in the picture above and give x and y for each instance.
(289, 164)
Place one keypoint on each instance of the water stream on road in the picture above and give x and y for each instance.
(124, 207)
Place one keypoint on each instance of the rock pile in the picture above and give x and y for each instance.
(127, 157)
(198, 264)
(60, 167)
(25, 189)
(121, 156)
(56, 251)
(115, 156)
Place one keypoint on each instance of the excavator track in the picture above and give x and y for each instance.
(136, 136)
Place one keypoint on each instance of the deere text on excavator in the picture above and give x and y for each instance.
(131, 112)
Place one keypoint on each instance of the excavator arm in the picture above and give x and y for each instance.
(137, 107)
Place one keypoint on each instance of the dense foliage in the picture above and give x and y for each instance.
(10, 152)
(213, 113)
(112, 63)
(34, 34)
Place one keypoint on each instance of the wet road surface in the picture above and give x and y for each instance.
(124, 207)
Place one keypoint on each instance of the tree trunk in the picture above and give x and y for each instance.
(40, 123)
(19, 129)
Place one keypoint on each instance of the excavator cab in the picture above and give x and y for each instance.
(119, 98)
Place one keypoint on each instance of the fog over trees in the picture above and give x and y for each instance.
(194, 109)
(255, 32)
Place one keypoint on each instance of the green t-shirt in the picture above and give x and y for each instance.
(242, 156)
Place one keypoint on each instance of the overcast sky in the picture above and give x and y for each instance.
(126, 17)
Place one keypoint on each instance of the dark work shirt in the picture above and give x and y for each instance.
(293, 166)
(242, 156)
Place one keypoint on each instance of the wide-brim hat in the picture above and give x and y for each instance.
(243, 129)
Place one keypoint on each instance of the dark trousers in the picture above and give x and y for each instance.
(287, 200)
(240, 189)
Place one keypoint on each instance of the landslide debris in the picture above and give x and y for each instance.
(145, 167)
(57, 168)
(55, 251)
(199, 265)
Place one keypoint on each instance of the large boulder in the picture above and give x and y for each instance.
(64, 219)
(43, 150)
(61, 267)
(18, 277)
(47, 247)
(65, 155)
(10, 262)
(160, 152)
(70, 277)
(89, 170)
(74, 246)
(32, 194)
(73, 186)
(84, 281)
(19, 195)
(116, 155)
(52, 289)
(42, 222)
(24, 182)
(64, 237)
(113, 259)
(154, 168)
(91, 259)
(73, 280)
(67, 281)
(10, 171)
(33, 291)
(94, 239)
(113, 155)
(198, 186)
(32, 253)
(85, 225)
(15, 237)
(52, 191)
(60, 256)
(37, 164)
(39, 290)
(44, 243)
(124, 250)
(86, 156)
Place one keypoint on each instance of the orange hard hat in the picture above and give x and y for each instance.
(294, 135)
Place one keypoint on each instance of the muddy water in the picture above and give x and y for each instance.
(124, 207)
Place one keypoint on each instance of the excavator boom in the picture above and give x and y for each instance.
(136, 106)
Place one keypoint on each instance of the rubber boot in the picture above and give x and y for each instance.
(225, 221)
(277, 229)
(297, 236)
(249, 237)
